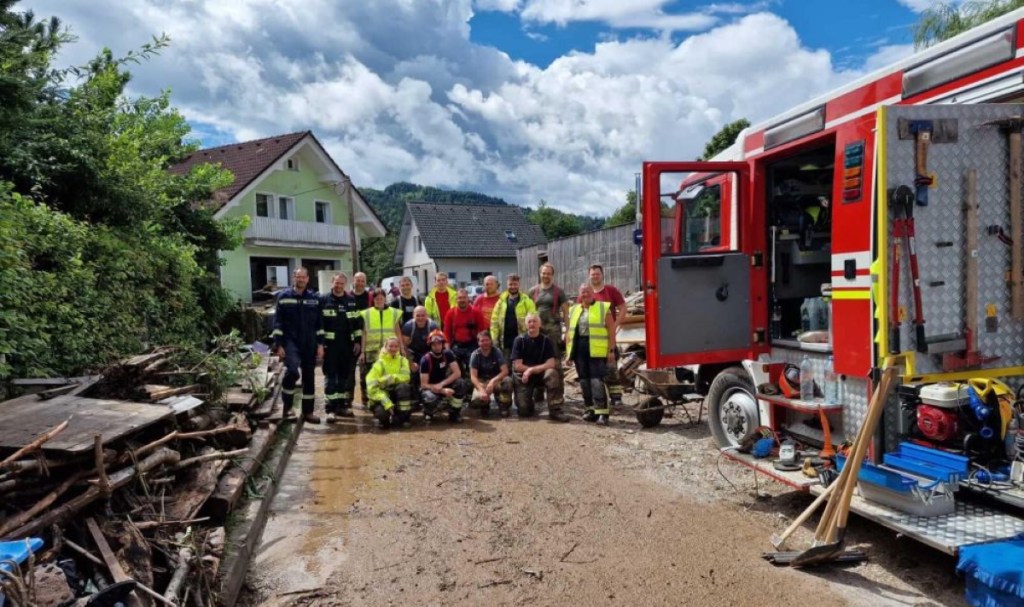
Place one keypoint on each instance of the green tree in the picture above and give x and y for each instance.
(554, 223)
(115, 248)
(723, 138)
(943, 21)
(624, 215)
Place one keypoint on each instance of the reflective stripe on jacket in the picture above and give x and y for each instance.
(598, 332)
(297, 319)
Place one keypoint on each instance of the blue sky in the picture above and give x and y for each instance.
(529, 100)
(850, 30)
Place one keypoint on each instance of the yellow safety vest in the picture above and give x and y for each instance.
(379, 325)
(598, 332)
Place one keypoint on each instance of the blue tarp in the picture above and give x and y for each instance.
(995, 573)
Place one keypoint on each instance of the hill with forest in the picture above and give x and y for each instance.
(377, 256)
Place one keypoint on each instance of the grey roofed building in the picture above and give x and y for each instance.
(469, 241)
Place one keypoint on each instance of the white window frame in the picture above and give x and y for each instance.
(271, 204)
(328, 214)
(290, 206)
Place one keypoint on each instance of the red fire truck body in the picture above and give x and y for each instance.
(812, 198)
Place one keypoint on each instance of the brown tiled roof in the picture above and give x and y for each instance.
(246, 161)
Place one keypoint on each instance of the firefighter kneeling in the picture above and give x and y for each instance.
(441, 382)
(489, 375)
(387, 385)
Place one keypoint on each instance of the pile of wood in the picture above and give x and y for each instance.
(129, 477)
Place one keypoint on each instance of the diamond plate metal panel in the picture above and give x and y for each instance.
(983, 148)
(968, 524)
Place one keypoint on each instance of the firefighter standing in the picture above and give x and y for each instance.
(508, 319)
(342, 326)
(590, 344)
(485, 303)
(406, 300)
(461, 325)
(440, 299)
(553, 309)
(298, 336)
(611, 295)
(364, 299)
(388, 388)
(379, 323)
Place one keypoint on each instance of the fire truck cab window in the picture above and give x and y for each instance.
(696, 219)
(798, 198)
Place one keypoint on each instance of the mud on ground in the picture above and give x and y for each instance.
(510, 512)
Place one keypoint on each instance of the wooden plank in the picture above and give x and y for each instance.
(195, 488)
(22, 420)
(231, 485)
(971, 233)
(1016, 229)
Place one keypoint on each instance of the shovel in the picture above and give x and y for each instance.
(838, 512)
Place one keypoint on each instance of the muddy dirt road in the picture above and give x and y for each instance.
(531, 512)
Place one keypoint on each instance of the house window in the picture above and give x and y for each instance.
(510, 235)
(285, 207)
(264, 202)
(478, 276)
(323, 211)
(417, 244)
(453, 277)
(292, 164)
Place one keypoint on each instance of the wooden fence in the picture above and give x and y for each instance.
(613, 248)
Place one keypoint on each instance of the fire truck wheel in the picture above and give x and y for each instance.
(649, 412)
(732, 408)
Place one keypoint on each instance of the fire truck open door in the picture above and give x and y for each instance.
(700, 281)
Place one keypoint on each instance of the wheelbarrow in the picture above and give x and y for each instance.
(667, 392)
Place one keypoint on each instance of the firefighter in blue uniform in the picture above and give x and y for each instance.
(343, 330)
(298, 335)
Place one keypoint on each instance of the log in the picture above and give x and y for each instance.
(117, 480)
(101, 468)
(209, 457)
(197, 485)
(132, 550)
(161, 394)
(35, 444)
(231, 485)
(174, 588)
(147, 525)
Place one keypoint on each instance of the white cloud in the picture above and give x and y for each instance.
(638, 13)
(396, 90)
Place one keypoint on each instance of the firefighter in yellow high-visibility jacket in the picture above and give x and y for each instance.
(387, 386)
(590, 343)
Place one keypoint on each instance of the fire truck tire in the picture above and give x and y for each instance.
(732, 408)
(649, 412)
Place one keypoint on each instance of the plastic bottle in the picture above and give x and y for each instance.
(805, 316)
(831, 384)
(806, 379)
(823, 313)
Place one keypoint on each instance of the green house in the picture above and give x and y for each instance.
(297, 200)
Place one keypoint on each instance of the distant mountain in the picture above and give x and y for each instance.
(378, 257)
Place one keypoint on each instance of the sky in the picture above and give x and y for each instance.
(528, 100)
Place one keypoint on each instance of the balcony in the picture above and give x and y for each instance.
(269, 232)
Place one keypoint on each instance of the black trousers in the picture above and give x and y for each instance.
(299, 362)
(339, 378)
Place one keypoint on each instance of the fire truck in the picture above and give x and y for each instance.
(888, 215)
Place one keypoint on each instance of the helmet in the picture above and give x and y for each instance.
(789, 381)
(436, 335)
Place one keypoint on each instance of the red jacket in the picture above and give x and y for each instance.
(461, 326)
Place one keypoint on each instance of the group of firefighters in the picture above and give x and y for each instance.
(439, 351)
